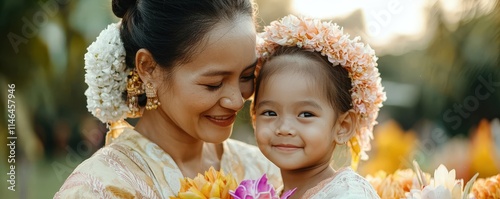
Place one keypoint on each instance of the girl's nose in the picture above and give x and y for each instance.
(285, 127)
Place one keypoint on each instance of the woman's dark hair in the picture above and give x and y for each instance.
(334, 79)
(171, 29)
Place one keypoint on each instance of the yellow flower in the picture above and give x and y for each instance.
(487, 188)
(213, 184)
(390, 144)
(483, 153)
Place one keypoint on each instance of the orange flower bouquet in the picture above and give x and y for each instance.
(213, 184)
(487, 187)
(217, 185)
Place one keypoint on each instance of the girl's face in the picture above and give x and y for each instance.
(201, 97)
(295, 123)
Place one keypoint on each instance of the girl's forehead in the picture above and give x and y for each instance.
(302, 67)
(294, 81)
(292, 61)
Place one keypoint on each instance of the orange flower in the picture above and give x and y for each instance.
(483, 153)
(213, 184)
(394, 185)
(487, 188)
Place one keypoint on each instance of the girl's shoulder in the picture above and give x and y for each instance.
(346, 183)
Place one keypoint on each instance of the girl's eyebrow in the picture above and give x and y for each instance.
(226, 73)
(264, 103)
(309, 103)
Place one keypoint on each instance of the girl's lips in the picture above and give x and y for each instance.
(286, 147)
(223, 121)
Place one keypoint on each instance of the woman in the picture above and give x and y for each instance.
(196, 62)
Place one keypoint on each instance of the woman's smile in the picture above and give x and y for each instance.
(222, 120)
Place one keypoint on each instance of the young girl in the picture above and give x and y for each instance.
(316, 89)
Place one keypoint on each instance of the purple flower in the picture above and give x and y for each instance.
(258, 189)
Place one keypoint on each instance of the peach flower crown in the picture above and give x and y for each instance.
(357, 58)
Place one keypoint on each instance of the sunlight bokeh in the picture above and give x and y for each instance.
(383, 21)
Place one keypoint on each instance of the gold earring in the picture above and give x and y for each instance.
(153, 101)
(134, 89)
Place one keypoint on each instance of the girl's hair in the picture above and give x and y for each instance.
(171, 29)
(334, 80)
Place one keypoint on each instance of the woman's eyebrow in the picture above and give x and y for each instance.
(225, 73)
(217, 73)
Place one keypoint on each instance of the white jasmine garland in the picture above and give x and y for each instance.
(106, 76)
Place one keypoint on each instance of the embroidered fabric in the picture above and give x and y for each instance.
(134, 167)
(344, 184)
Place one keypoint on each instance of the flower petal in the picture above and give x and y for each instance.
(262, 185)
(288, 193)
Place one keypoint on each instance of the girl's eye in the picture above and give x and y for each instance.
(269, 113)
(248, 77)
(214, 87)
(306, 114)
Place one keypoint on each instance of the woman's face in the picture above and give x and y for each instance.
(202, 97)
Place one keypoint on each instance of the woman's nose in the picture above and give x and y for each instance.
(233, 101)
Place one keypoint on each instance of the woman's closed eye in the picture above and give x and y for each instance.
(248, 77)
(214, 87)
(269, 113)
(306, 114)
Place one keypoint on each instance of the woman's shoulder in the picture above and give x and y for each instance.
(109, 173)
(346, 183)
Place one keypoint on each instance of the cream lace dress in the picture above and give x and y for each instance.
(345, 184)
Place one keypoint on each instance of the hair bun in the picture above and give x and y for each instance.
(120, 7)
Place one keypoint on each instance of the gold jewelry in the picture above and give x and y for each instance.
(115, 129)
(134, 89)
(153, 101)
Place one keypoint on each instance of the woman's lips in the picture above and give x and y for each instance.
(222, 120)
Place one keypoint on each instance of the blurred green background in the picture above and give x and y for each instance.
(439, 61)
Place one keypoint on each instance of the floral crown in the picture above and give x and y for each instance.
(106, 76)
(357, 58)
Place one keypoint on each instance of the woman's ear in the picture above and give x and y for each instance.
(345, 127)
(145, 65)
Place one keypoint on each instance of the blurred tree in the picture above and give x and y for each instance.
(42, 54)
(452, 72)
(462, 69)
